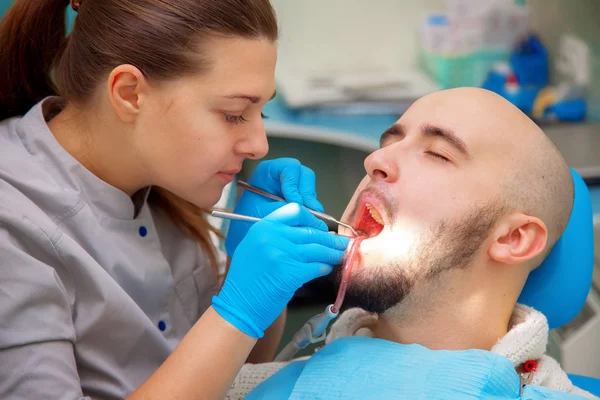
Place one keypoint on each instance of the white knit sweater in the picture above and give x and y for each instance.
(526, 340)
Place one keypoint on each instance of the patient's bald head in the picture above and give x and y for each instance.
(536, 178)
(538, 181)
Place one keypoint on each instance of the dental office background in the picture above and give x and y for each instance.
(347, 69)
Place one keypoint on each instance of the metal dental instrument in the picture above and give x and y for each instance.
(237, 217)
(320, 215)
(313, 331)
(240, 217)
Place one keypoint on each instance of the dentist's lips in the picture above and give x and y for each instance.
(368, 218)
(228, 176)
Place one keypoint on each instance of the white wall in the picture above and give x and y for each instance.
(334, 34)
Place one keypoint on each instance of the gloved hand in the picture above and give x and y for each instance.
(278, 255)
(284, 177)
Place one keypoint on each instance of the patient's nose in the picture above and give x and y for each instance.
(381, 166)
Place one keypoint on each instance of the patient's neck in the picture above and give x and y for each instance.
(458, 310)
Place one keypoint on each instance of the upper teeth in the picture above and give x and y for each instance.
(375, 214)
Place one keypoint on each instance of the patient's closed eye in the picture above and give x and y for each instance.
(438, 156)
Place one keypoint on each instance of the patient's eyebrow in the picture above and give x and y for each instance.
(396, 131)
(448, 136)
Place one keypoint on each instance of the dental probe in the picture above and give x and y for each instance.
(246, 218)
(320, 215)
(229, 215)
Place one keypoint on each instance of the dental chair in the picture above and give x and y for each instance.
(560, 285)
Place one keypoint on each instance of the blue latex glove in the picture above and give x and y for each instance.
(284, 177)
(366, 368)
(288, 248)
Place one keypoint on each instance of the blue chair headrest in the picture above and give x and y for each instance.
(559, 287)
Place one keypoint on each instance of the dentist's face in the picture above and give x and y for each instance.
(430, 198)
(196, 131)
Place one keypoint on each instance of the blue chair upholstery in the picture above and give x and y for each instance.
(560, 285)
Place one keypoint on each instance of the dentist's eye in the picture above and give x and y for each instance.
(438, 156)
(239, 119)
(235, 119)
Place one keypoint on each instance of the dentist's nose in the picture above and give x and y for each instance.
(255, 145)
(381, 166)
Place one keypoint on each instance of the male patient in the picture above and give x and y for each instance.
(465, 197)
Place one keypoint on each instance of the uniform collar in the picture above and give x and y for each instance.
(69, 173)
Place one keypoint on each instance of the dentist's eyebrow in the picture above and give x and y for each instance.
(252, 99)
(396, 131)
(448, 136)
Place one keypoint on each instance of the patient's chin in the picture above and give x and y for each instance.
(374, 290)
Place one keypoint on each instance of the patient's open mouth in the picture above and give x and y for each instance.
(369, 220)
(369, 223)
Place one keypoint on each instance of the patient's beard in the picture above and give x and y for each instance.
(447, 246)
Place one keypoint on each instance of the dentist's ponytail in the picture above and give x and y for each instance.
(32, 38)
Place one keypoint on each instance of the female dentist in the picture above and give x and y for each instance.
(112, 141)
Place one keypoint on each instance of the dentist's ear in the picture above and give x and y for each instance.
(126, 88)
(517, 239)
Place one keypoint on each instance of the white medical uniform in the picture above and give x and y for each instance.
(96, 289)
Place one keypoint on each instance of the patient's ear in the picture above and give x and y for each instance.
(518, 238)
